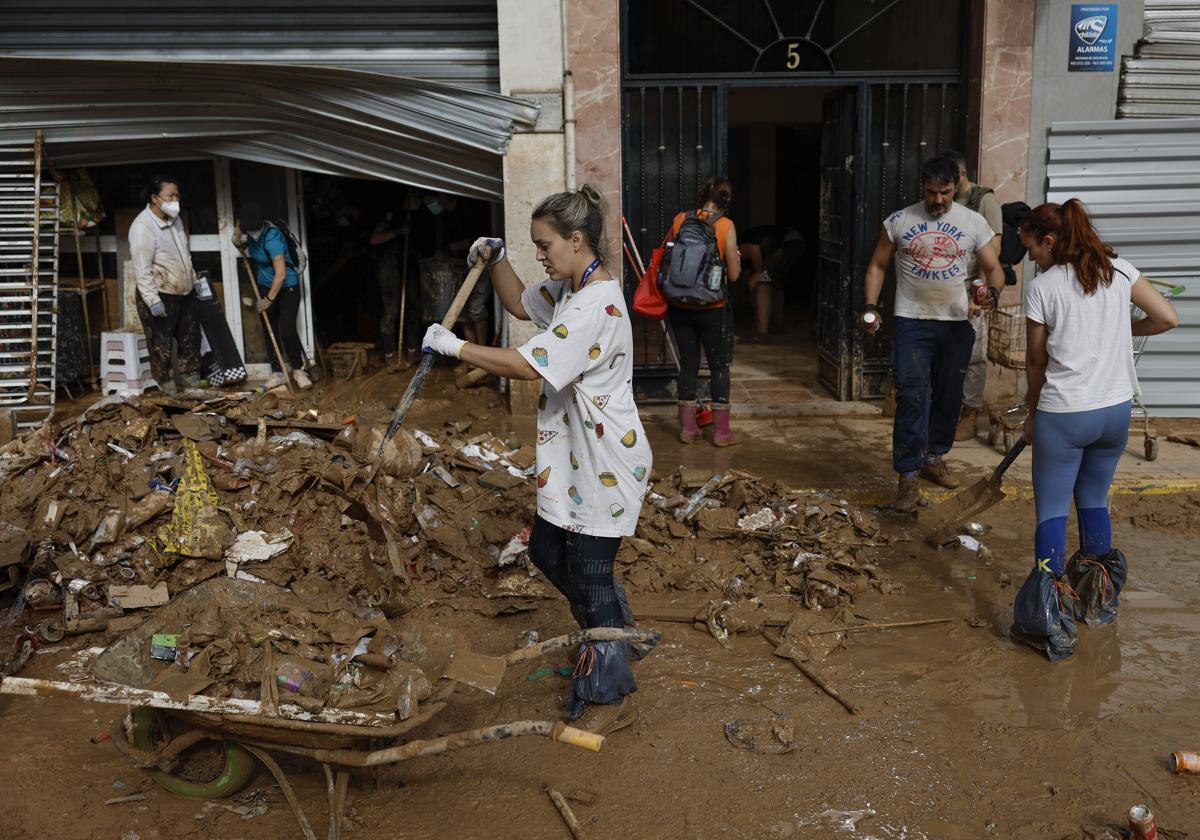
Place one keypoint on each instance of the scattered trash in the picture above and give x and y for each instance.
(1142, 824)
(969, 543)
(138, 596)
(567, 814)
(772, 737)
(831, 818)
(1185, 762)
(121, 800)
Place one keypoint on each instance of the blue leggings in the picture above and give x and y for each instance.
(1075, 454)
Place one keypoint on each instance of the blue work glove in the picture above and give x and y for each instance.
(158, 310)
(489, 249)
(438, 339)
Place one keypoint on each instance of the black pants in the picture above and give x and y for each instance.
(581, 568)
(178, 324)
(712, 330)
(282, 316)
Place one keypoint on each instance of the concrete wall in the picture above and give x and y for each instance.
(1059, 95)
(534, 165)
(531, 60)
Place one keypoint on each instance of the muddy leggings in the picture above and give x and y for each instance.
(1075, 454)
(711, 329)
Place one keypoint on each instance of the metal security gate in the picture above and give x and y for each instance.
(28, 283)
(672, 145)
(839, 347)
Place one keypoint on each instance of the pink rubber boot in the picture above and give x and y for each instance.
(722, 434)
(688, 430)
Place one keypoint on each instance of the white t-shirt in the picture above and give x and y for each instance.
(1089, 339)
(932, 258)
(593, 459)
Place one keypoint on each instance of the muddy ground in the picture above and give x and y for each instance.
(962, 733)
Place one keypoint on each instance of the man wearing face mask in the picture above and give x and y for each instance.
(162, 268)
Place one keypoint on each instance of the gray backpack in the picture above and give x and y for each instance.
(695, 272)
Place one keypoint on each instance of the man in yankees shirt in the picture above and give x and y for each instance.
(931, 243)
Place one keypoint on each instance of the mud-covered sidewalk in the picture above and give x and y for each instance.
(959, 732)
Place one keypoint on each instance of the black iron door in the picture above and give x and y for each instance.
(839, 267)
(672, 141)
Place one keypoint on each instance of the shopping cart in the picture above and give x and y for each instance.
(1006, 347)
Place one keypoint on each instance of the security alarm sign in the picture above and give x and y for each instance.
(1093, 38)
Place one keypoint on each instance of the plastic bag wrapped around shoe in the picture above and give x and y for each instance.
(1043, 615)
(602, 675)
(1097, 581)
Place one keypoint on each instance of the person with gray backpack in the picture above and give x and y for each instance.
(702, 259)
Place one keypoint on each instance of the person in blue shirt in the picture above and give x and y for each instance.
(279, 287)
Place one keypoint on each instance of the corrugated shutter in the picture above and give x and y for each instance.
(1162, 78)
(452, 41)
(1141, 181)
(400, 91)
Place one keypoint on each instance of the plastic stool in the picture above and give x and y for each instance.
(124, 363)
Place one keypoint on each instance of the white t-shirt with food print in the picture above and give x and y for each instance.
(593, 460)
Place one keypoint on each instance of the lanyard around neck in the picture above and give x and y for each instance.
(583, 281)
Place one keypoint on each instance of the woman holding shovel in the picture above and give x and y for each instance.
(1080, 367)
(593, 461)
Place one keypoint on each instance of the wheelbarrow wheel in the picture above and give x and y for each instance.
(1151, 447)
(210, 769)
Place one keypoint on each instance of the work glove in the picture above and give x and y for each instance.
(870, 320)
(262, 304)
(438, 339)
(158, 310)
(489, 248)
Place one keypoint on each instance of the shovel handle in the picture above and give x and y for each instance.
(1003, 466)
(414, 385)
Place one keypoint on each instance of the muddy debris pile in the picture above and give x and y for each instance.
(113, 513)
(137, 500)
(743, 537)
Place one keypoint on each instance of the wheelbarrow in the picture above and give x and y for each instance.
(205, 747)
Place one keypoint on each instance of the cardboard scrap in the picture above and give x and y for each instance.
(136, 597)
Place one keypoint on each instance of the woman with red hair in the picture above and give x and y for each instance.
(1080, 368)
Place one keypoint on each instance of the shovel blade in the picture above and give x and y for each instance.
(476, 669)
(944, 519)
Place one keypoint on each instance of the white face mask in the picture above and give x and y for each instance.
(171, 208)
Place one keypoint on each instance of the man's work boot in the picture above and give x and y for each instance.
(939, 473)
(688, 430)
(191, 381)
(967, 424)
(908, 494)
(722, 434)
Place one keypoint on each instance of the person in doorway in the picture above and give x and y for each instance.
(697, 307)
(593, 459)
(390, 239)
(162, 269)
(931, 242)
(984, 202)
(279, 288)
(1080, 370)
(770, 253)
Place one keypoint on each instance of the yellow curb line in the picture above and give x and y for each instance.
(1022, 491)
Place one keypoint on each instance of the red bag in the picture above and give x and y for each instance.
(649, 300)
